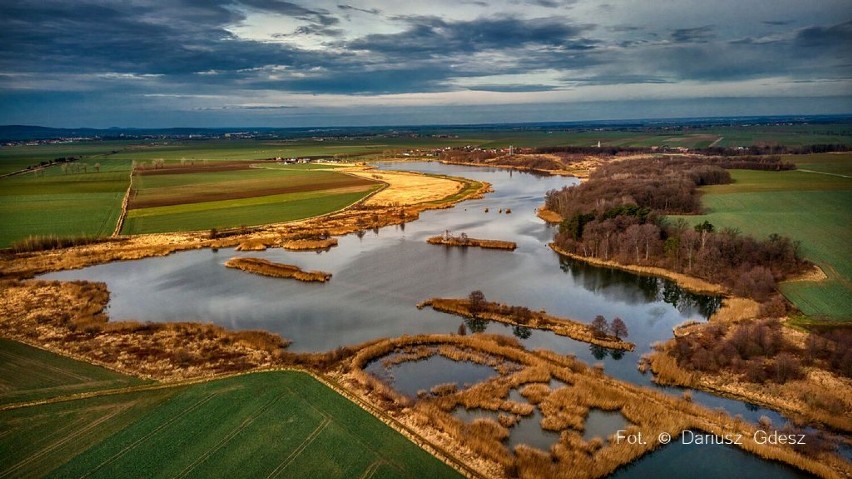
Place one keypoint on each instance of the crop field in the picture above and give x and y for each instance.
(813, 208)
(28, 374)
(19, 157)
(275, 424)
(234, 194)
(64, 205)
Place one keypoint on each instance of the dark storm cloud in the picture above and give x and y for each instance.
(82, 37)
(71, 52)
(512, 88)
(371, 11)
(434, 35)
(826, 37)
(693, 35)
(289, 9)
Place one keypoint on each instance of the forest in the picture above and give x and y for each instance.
(619, 214)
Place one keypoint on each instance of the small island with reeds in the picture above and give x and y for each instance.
(476, 306)
(309, 244)
(277, 270)
(464, 240)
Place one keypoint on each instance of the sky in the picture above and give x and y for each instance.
(226, 63)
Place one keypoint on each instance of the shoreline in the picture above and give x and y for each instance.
(354, 218)
(690, 283)
(548, 216)
(734, 309)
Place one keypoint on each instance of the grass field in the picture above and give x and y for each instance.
(276, 424)
(28, 374)
(64, 205)
(196, 200)
(810, 207)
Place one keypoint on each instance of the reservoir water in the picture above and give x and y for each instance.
(380, 276)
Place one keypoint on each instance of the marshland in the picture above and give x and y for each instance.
(380, 274)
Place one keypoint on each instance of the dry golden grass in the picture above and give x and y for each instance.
(536, 320)
(408, 188)
(736, 309)
(821, 397)
(309, 244)
(474, 242)
(548, 216)
(565, 409)
(252, 245)
(276, 270)
(67, 318)
(535, 392)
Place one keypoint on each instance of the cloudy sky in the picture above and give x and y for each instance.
(158, 63)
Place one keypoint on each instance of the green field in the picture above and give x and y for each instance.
(275, 424)
(59, 202)
(64, 205)
(233, 213)
(29, 374)
(202, 200)
(811, 207)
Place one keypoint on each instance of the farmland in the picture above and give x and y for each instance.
(65, 205)
(49, 375)
(186, 199)
(276, 424)
(810, 207)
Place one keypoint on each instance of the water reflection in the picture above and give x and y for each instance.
(705, 462)
(621, 285)
(379, 277)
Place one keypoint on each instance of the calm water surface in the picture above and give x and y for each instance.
(379, 277)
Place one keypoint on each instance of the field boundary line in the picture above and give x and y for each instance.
(247, 422)
(159, 428)
(124, 203)
(823, 173)
(434, 450)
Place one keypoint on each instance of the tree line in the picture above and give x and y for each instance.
(618, 215)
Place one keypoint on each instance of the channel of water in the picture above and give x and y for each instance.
(380, 276)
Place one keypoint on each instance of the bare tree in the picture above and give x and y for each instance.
(618, 328)
(600, 326)
(477, 302)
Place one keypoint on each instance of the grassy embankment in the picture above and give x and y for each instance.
(282, 424)
(813, 207)
(277, 270)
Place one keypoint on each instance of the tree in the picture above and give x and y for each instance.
(600, 326)
(462, 330)
(618, 328)
(477, 302)
(521, 332)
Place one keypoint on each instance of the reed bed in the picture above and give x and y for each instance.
(309, 244)
(564, 409)
(276, 270)
(474, 242)
(521, 316)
